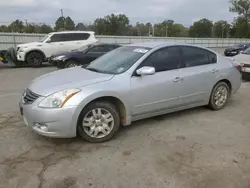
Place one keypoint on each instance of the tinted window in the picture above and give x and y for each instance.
(193, 56)
(69, 37)
(212, 57)
(164, 59)
(81, 36)
(57, 38)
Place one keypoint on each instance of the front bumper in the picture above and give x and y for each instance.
(59, 63)
(59, 122)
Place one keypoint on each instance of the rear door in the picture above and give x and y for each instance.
(199, 76)
(80, 39)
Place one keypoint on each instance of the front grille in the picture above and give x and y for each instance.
(29, 97)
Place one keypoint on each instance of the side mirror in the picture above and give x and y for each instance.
(145, 71)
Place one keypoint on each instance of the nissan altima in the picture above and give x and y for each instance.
(132, 82)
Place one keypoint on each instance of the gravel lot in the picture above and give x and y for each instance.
(196, 148)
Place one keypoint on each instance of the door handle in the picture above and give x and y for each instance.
(177, 79)
(61, 44)
(215, 71)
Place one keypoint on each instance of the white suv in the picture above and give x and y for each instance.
(36, 53)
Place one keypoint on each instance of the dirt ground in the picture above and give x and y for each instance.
(196, 148)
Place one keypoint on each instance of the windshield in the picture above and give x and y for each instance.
(118, 60)
(44, 38)
(238, 45)
(247, 51)
(82, 49)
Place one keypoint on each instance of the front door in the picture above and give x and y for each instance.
(161, 91)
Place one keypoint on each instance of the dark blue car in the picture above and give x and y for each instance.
(81, 56)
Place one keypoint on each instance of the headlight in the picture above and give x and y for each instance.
(58, 99)
(21, 49)
(60, 57)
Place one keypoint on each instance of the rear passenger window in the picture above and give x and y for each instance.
(212, 57)
(76, 36)
(193, 56)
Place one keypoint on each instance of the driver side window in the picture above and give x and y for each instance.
(164, 59)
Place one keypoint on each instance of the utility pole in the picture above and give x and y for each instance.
(222, 32)
(63, 19)
(26, 22)
(166, 30)
(153, 30)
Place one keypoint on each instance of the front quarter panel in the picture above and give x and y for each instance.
(111, 88)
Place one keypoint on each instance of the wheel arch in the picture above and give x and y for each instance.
(120, 105)
(35, 50)
(227, 82)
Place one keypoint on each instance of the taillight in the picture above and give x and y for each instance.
(238, 67)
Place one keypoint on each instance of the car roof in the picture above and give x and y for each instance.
(63, 32)
(161, 44)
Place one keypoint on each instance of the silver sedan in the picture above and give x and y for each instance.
(127, 84)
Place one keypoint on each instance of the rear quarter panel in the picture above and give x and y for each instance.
(228, 71)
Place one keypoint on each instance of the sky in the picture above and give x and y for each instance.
(86, 11)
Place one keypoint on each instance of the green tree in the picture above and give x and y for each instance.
(116, 24)
(16, 26)
(69, 24)
(46, 28)
(238, 28)
(60, 24)
(221, 29)
(100, 26)
(170, 29)
(201, 28)
(80, 27)
(242, 7)
(4, 28)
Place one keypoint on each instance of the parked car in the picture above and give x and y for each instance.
(36, 53)
(243, 59)
(127, 84)
(236, 49)
(81, 56)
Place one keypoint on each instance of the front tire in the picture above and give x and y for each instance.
(98, 122)
(35, 59)
(219, 96)
(71, 64)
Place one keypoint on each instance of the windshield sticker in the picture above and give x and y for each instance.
(140, 50)
(120, 70)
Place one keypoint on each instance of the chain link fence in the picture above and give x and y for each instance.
(8, 40)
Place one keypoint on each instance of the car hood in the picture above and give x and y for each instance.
(242, 58)
(31, 44)
(76, 77)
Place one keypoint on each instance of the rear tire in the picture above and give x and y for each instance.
(101, 125)
(219, 96)
(71, 64)
(35, 59)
